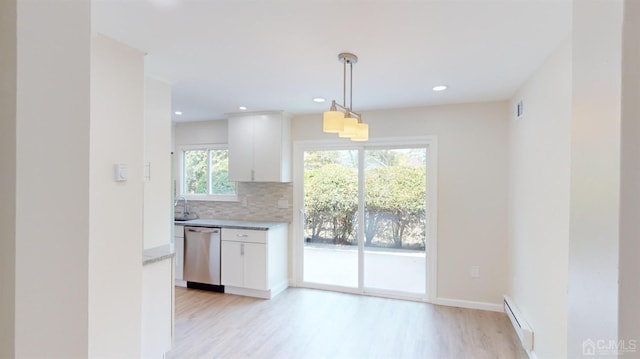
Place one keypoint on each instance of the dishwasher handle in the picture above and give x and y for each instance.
(202, 229)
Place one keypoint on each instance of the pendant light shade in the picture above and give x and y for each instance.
(332, 120)
(362, 132)
(341, 119)
(350, 127)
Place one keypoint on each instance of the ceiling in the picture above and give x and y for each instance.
(280, 54)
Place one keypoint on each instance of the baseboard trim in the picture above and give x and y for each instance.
(264, 294)
(279, 288)
(493, 307)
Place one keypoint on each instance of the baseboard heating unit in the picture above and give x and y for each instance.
(519, 324)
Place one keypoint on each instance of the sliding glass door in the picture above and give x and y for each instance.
(330, 213)
(395, 220)
(365, 219)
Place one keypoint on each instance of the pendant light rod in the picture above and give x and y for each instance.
(347, 58)
(344, 83)
(345, 109)
(350, 86)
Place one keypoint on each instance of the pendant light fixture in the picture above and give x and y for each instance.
(341, 119)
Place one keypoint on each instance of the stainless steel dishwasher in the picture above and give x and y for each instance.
(202, 258)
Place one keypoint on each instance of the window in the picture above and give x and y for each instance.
(204, 173)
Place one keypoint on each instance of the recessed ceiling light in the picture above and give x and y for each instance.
(178, 113)
(318, 99)
(242, 108)
(439, 88)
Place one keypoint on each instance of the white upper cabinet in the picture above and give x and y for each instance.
(260, 147)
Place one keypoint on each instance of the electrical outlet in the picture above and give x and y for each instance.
(245, 201)
(475, 271)
(283, 203)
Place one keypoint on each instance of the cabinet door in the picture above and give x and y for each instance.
(179, 246)
(267, 148)
(260, 148)
(232, 264)
(255, 266)
(240, 149)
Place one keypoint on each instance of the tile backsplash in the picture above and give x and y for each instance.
(261, 204)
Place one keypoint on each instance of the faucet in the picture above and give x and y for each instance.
(185, 208)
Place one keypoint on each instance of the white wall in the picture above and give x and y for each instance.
(157, 154)
(52, 171)
(200, 133)
(7, 176)
(116, 208)
(629, 315)
(595, 168)
(78, 252)
(539, 162)
(157, 279)
(604, 191)
(472, 193)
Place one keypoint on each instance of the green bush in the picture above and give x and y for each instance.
(394, 205)
(331, 202)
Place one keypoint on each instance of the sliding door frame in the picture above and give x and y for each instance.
(297, 255)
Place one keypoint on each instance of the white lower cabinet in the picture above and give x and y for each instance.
(232, 263)
(179, 248)
(254, 262)
(244, 265)
(255, 266)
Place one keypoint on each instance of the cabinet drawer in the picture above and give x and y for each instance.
(244, 235)
(178, 231)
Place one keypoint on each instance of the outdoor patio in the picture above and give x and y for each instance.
(385, 269)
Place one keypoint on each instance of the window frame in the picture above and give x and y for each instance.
(181, 175)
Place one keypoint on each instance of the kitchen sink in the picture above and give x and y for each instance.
(188, 217)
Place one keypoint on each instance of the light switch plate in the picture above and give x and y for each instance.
(120, 172)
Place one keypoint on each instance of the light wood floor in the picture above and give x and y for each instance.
(307, 323)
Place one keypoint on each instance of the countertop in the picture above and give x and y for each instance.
(223, 223)
(157, 254)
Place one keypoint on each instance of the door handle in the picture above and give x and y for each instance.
(203, 230)
(241, 249)
(242, 235)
